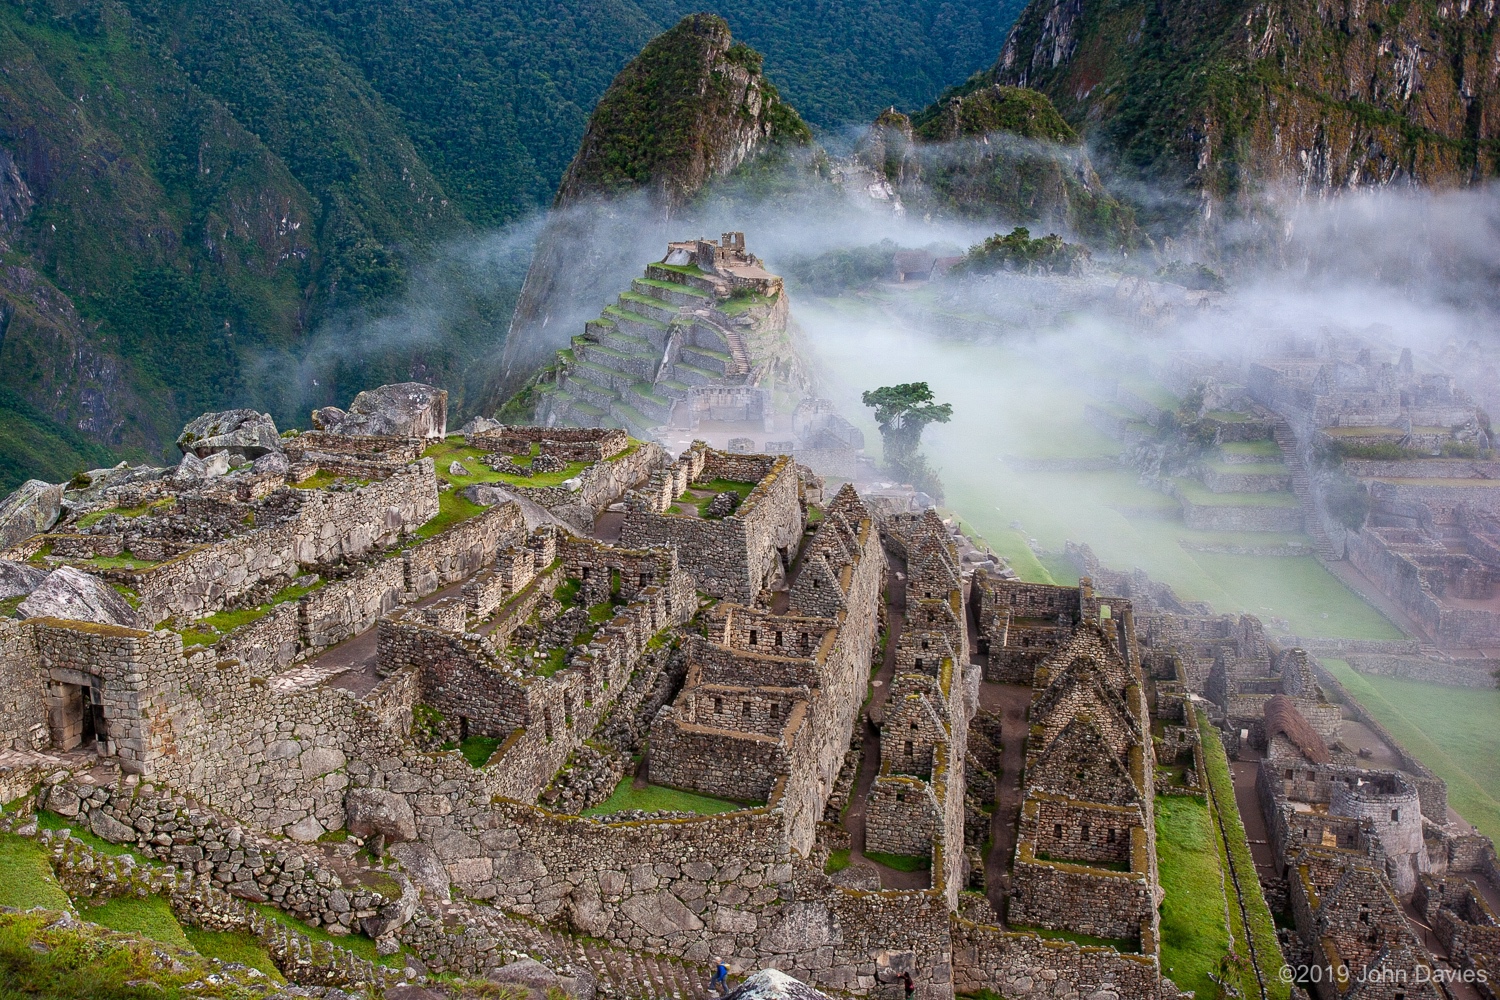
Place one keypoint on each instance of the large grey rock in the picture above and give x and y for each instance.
(79, 596)
(100, 480)
(369, 811)
(192, 468)
(773, 984)
(273, 461)
(423, 868)
(244, 434)
(17, 578)
(28, 511)
(395, 913)
(660, 913)
(480, 425)
(104, 825)
(406, 409)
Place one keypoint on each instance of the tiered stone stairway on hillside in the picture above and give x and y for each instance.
(1286, 440)
(645, 352)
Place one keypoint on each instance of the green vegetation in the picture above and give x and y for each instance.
(1119, 944)
(70, 963)
(477, 750)
(357, 943)
(453, 508)
(656, 798)
(233, 946)
(1017, 251)
(900, 862)
(208, 631)
(982, 110)
(48, 820)
(150, 916)
(453, 449)
(1262, 928)
(26, 878)
(1451, 730)
(903, 412)
(1194, 493)
(1194, 943)
(95, 516)
(838, 860)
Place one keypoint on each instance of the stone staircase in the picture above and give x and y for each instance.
(1286, 440)
(625, 974)
(644, 353)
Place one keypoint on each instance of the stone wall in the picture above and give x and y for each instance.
(267, 644)
(739, 766)
(734, 556)
(328, 527)
(23, 699)
(598, 486)
(1018, 964)
(1241, 517)
(1080, 899)
(462, 550)
(346, 607)
(1428, 670)
(902, 816)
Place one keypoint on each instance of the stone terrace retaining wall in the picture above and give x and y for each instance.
(268, 643)
(330, 526)
(571, 444)
(599, 485)
(347, 607)
(1474, 674)
(23, 699)
(462, 550)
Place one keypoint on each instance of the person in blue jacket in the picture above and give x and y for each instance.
(720, 982)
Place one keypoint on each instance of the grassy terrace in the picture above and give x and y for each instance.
(94, 517)
(1248, 449)
(673, 286)
(1247, 468)
(1451, 730)
(1194, 942)
(207, 631)
(1194, 493)
(323, 477)
(1227, 416)
(656, 798)
(1249, 916)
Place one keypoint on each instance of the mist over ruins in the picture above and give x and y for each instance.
(943, 560)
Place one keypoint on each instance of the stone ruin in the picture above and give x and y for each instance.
(319, 649)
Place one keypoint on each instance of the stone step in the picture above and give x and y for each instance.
(689, 374)
(632, 367)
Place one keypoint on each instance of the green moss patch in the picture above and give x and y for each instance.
(150, 917)
(838, 860)
(234, 947)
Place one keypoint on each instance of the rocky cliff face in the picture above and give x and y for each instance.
(989, 151)
(691, 107)
(1221, 98)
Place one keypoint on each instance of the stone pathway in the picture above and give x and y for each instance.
(1011, 702)
(869, 765)
(350, 665)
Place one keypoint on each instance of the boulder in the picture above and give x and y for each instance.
(73, 594)
(773, 984)
(274, 462)
(305, 830)
(458, 469)
(480, 425)
(371, 811)
(102, 824)
(423, 868)
(193, 468)
(540, 981)
(406, 409)
(17, 578)
(243, 434)
(96, 481)
(28, 511)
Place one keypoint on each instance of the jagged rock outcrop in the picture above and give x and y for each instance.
(33, 508)
(406, 409)
(243, 434)
(691, 107)
(17, 578)
(79, 596)
(1223, 100)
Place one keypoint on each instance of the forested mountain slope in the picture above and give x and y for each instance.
(1219, 99)
(189, 190)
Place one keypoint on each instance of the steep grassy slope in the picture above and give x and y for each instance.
(1218, 95)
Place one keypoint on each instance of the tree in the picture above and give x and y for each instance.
(903, 413)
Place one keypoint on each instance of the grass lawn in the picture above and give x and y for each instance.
(478, 750)
(654, 798)
(234, 946)
(838, 860)
(1119, 944)
(1193, 939)
(453, 507)
(150, 918)
(1454, 731)
(1261, 926)
(900, 862)
(453, 449)
(26, 878)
